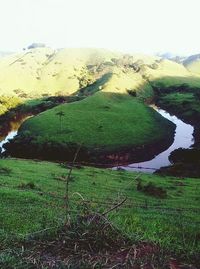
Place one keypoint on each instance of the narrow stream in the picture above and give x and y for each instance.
(183, 139)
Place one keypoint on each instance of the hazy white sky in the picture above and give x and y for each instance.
(145, 26)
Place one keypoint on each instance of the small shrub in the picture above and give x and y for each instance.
(152, 189)
(29, 185)
(106, 107)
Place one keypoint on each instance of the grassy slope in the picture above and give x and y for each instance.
(185, 101)
(170, 73)
(42, 71)
(172, 222)
(123, 80)
(45, 71)
(106, 120)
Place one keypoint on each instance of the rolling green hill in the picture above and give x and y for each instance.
(105, 120)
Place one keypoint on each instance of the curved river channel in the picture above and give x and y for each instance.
(183, 139)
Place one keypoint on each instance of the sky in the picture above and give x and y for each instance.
(145, 26)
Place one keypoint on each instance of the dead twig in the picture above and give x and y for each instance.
(115, 206)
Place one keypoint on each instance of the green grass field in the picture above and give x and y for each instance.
(187, 105)
(32, 199)
(105, 120)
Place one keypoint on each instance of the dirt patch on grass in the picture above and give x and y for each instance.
(94, 245)
(92, 242)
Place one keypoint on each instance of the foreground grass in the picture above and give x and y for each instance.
(32, 199)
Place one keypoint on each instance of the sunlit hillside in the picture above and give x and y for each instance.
(44, 71)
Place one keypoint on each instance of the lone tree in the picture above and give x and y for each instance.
(61, 114)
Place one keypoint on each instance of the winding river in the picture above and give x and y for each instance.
(183, 139)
